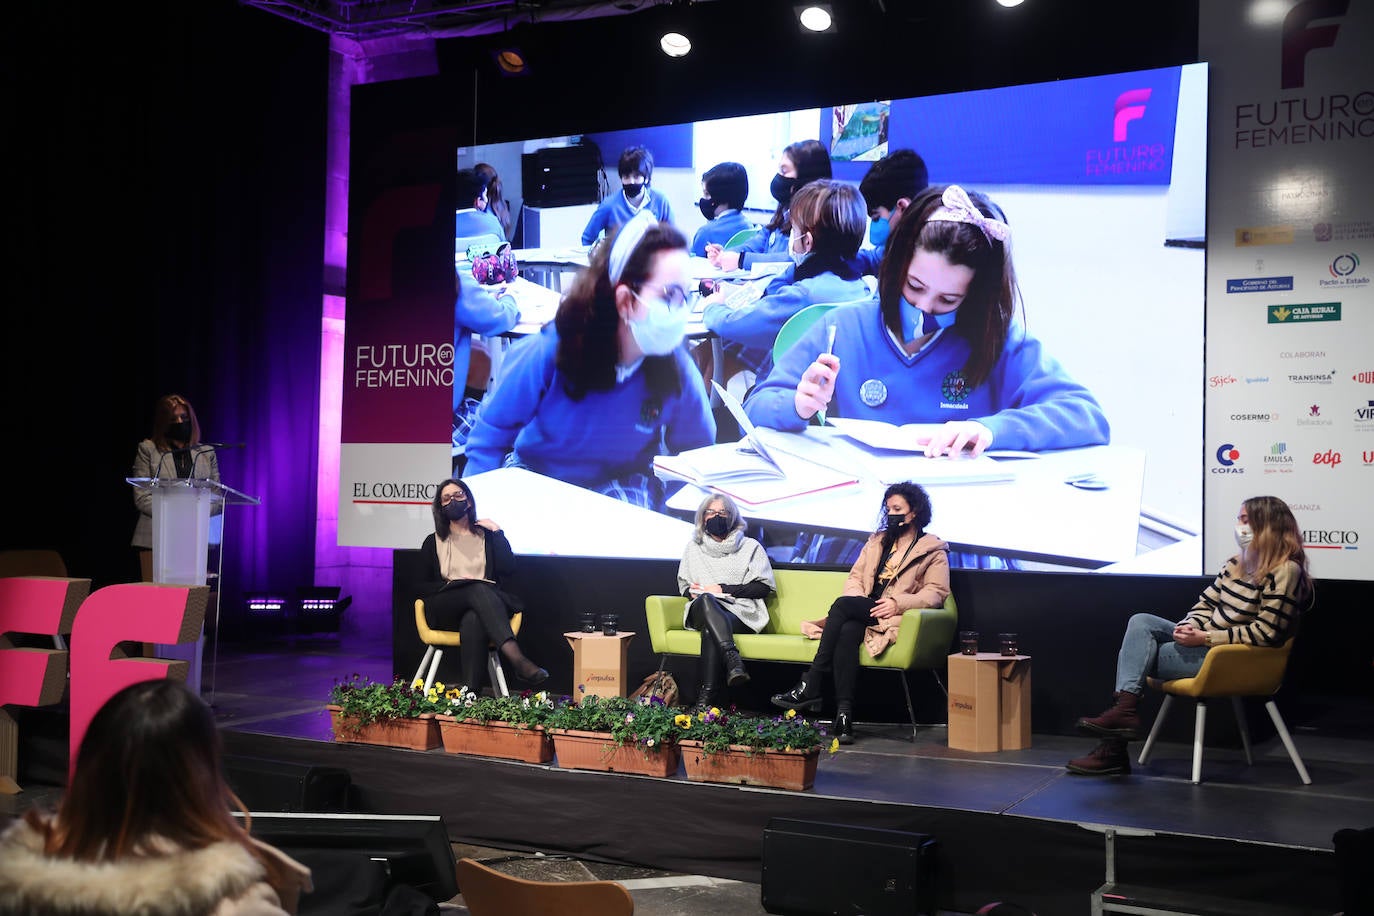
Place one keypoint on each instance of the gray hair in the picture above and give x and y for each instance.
(731, 515)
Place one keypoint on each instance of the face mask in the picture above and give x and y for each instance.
(718, 526)
(929, 321)
(456, 511)
(707, 206)
(878, 231)
(180, 431)
(896, 519)
(634, 192)
(1244, 536)
(660, 331)
(781, 188)
(798, 257)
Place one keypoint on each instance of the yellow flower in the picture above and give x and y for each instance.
(715, 711)
(417, 684)
(439, 686)
(682, 720)
(791, 714)
(834, 745)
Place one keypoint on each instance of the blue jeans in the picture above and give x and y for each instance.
(1148, 649)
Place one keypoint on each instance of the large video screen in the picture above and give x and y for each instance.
(1102, 181)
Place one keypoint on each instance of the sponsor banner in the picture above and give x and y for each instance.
(1297, 314)
(1259, 285)
(386, 491)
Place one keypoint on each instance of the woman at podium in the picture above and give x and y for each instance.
(173, 450)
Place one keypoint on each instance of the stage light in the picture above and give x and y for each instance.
(1009, 3)
(675, 44)
(319, 608)
(511, 61)
(816, 17)
(266, 605)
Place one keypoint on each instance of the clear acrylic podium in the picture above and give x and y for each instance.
(182, 508)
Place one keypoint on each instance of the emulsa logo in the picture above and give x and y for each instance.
(1227, 456)
(1278, 461)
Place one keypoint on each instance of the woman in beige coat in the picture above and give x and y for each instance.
(901, 567)
(145, 824)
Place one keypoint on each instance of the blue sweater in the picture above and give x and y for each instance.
(719, 231)
(589, 442)
(476, 311)
(869, 259)
(765, 245)
(470, 223)
(756, 325)
(1028, 402)
(615, 211)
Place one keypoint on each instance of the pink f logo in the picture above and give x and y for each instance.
(1130, 106)
(1298, 38)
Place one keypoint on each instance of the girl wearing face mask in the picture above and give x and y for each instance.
(608, 384)
(902, 567)
(800, 164)
(173, 450)
(828, 222)
(938, 345)
(466, 559)
(726, 578)
(1256, 600)
(636, 168)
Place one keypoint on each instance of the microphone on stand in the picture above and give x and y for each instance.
(215, 446)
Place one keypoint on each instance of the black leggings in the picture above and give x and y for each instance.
(477, 611)
(844, 629)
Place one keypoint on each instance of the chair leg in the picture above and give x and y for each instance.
(498, 675)
(1244, 727)
(424, 663)
(935, 674)
(1199, 729)
(433, 668)
(1287, 740)
(910, 710)
(1154, 729)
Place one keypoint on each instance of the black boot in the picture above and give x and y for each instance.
(525, 670)
(1120, 720)
(707, 696)
(844, 727)
(803, 697)
(1109, 758)
(718, 630)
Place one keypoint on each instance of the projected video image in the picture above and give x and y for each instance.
(996, 294)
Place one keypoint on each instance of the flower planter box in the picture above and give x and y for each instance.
(578, 750)
(528, 743)
(795, 770)
(420, 734)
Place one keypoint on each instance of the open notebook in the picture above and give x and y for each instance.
(760, 468)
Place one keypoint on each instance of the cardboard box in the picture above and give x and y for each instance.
(989, 702)
(600, 663)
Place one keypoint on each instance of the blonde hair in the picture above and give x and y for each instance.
(1277, 540)
(834, 213)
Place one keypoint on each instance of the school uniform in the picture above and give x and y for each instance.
(755, 326)
(1028, 402)
(475, 311)
(472, 222)
(529, 420)
(719, 231)
(615, 211)
(766, 245)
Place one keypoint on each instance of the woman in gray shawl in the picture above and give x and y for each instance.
(726, 577)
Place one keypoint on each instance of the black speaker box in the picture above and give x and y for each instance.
(811, 868)
(275, 785)
(559, 176)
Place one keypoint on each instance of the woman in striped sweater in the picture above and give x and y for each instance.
(1255, 600)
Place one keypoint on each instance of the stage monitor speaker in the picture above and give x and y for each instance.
(811, 869)
(275, 785)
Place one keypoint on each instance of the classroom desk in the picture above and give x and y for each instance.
(1035, 517)
(508, 495)
(549, 264)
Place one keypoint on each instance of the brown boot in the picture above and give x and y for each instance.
(1119, 721)
(1109, 758)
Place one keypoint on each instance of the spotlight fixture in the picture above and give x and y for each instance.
(675, 44)
(816, 17)
(1009, 3)
(511, 61)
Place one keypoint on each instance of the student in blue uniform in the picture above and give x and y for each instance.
(724, 189)
(608, 384)
(828, 221)
(938, 345)
(889, 186)
(475, 311)
(801, 162)
(636, 168)
(473, 218)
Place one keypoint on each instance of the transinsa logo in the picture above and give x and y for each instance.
(1227, 456)
(1300, 36)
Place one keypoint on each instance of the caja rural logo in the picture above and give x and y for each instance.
(1227, 456)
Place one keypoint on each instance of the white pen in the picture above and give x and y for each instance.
(830, 344)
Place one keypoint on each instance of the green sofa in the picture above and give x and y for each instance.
(923, 642)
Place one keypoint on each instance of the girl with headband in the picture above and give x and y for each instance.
(606, 386)
(938, 345)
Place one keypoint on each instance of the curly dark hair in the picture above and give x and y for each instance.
(919, 501)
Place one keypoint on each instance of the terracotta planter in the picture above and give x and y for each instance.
(579, 750)
(420, 734)
(795, 770)
(496, 739)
